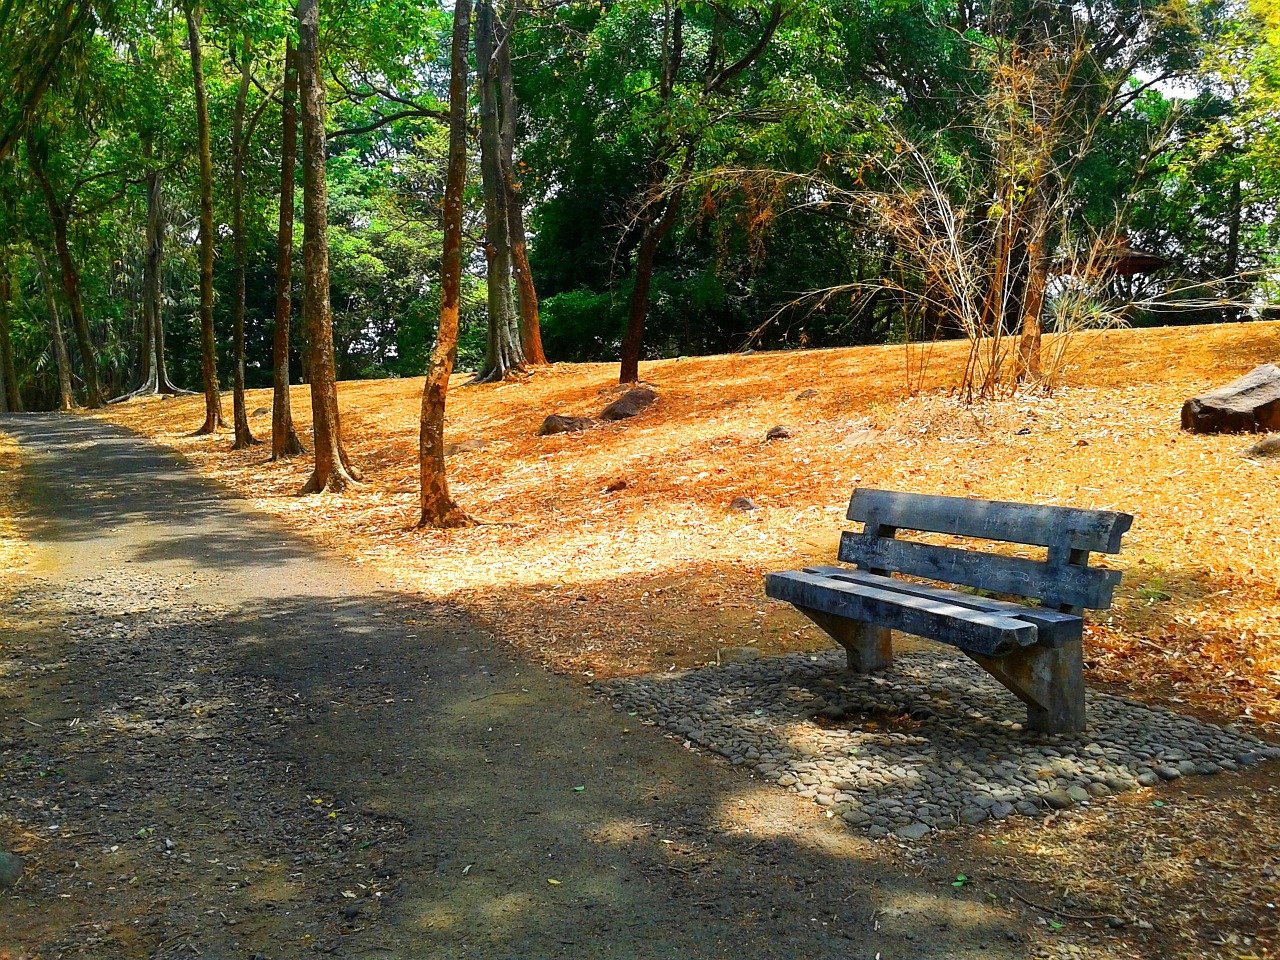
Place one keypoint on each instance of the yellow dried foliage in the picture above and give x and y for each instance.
(612, 551)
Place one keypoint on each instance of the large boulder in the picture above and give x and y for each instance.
(1250, 404)
(629, 404)
(558, 424)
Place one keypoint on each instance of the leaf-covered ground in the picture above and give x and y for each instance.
(612, 551)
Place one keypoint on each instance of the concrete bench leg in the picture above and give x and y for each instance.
(1049, 680)
(868, 647)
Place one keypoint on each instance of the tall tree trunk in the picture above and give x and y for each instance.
(153, 289)
(244, 437)
(12, 396)
(66, 399)
(284, 438)
(526, 292)
(154, 376)
(208, 344)
(333, 470)
(438, 507)
(70, 278)
(504, 354)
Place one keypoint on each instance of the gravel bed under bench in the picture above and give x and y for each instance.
(931, 745)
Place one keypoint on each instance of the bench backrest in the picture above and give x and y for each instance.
(1063, 580)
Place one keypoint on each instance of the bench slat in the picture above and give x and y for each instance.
(1053, 627)
(1092, 530)
(989, 634)
(1052, 585)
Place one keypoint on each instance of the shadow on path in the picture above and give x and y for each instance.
(248, 747)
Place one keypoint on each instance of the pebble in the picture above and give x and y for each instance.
(932, 744)
(10, 869)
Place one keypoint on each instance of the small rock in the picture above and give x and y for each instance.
(743, 505)
(1149, 779)
(1058, 799)
(780, 432)
(1267, 447)
(1166, 772)
(1099, 790)
(973, 815)
(1115, 923)
(737, 654)
(629, 404)
(559, 424)
(913, 831)
(10, 869)
(467, 446)
(807, 394)
(1078, 794)
(1000, 810)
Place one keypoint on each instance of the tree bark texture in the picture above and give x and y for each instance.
(208, 344)
(526, 291)
(333, 471)
(240, 417)
(504, 353)
(438, 507)
(12, 396)
(66, 398)
(70, 278)
(284, 438)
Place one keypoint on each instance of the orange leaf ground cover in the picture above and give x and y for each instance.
(612, 551)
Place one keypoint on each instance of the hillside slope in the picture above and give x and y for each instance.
(612, 551)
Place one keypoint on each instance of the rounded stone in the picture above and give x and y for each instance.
(913, 831)
(1166, 772)
(1058, 799)
(1078, 794)
(10, 869)
(1149, 779)
(1099, 790)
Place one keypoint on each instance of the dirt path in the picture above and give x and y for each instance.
(217, 741)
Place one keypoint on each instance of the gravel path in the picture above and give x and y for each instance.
(216, 740)
(934, 743)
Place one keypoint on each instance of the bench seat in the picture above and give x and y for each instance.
(942, 616)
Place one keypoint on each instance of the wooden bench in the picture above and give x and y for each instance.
(1035, 651)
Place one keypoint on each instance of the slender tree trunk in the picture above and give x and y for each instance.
(12, 396)
(70, 279)
(208, 344)
(526, 292)
(1029, 353)
(652, 234)
(243, 436)
(438, 507)
(284, 438)
(504, 354)
(333, 470)
(66, 399)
